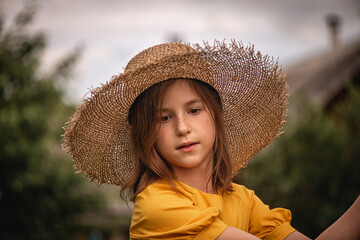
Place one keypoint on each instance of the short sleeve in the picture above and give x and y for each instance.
(267, 223)
(166, 214)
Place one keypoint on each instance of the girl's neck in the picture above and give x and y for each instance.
(199, 180)
(205, 186)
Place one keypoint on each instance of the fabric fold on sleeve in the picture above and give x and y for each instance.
(269, 224)
(212, 231)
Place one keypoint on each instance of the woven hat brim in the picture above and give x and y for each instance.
(252, 88)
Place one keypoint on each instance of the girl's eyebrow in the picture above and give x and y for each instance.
(186, 105)
(191, 102)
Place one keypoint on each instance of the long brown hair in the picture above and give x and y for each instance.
(144, 117)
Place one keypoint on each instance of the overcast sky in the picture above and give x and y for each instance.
(113, 31)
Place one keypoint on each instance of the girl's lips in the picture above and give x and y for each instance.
(186, 147)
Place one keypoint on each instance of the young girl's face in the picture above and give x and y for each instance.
(187, 133)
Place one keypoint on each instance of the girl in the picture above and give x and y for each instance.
(173, 130)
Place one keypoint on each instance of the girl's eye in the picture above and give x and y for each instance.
(194, 110)
(165, 118)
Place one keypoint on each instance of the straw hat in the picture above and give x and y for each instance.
(252, 88)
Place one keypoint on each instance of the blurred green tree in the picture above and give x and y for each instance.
(313, 168)
(40, 197)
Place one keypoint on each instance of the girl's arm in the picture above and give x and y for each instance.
(232, 233)
(346, 227)
(296, 236)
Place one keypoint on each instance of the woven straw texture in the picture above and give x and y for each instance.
(252, 88)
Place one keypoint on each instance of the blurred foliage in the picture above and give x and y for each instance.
(313, 168)
(40, 196)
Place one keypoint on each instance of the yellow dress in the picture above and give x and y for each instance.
(162, 213)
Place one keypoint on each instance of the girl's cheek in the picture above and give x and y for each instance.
(163, 131)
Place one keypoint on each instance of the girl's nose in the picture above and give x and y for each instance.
(182, 127)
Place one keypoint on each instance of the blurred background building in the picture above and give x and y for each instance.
(323, 77)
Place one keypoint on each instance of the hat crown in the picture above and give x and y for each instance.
(157, 53)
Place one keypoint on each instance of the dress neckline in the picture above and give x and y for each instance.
(193, 189)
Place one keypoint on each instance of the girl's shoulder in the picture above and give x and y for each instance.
(240, 191)
(160, 191)
(241, 188)
(160, 198)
